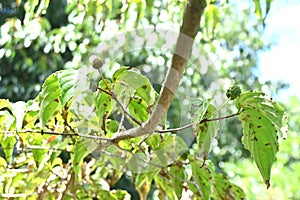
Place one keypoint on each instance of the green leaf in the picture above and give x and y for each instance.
(31, 115)
(262, 119)
(103, 102)
(207, 131)
(177, 179)
(198, 109)
(67, 80)
(166, 187)
(138, 109)
(7, 123)
(49, 98)
(203, 175)
(132, 78)
(7, 119)
(141, 178)
(258, 10)
(8, 142)
(212, 20)
(39, 155)
(80, 152)
(111, 126)
(57, 90)
(224, 189)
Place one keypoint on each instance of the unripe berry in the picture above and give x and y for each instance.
(233, 92)
(97, 63)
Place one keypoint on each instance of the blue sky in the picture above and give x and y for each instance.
(282, 61)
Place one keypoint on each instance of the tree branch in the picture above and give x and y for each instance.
(188, 31)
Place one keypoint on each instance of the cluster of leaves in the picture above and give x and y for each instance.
(59, 135)
(40, 37)
(76, 113)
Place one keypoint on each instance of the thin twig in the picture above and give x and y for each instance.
(109, 139)
(220, 118)
(190, 125)
(174, 129)
(57, 133)
(114, 97)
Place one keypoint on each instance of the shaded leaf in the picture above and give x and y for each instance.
(207, 131)
(203, 175)
(166, 187)
(224, 189)
(80, 152)
(7, 123)
(7, 118)
(103, 102)
(39, 155)
(8, 142)
(177, 179)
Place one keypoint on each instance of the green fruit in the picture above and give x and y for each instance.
(233, 92)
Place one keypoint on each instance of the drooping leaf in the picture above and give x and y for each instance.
(39, 155)
(224, 189)
(166, 187)
(212, 20)
(80, 152)
(203, 175)
(104, 103)
(268, 6)
(207, 131)
(177, 179)
(258, 10)
(262, 120)
(259, 5)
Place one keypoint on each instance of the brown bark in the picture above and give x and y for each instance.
(188, 31)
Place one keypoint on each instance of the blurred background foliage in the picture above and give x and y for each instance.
(40, 37)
